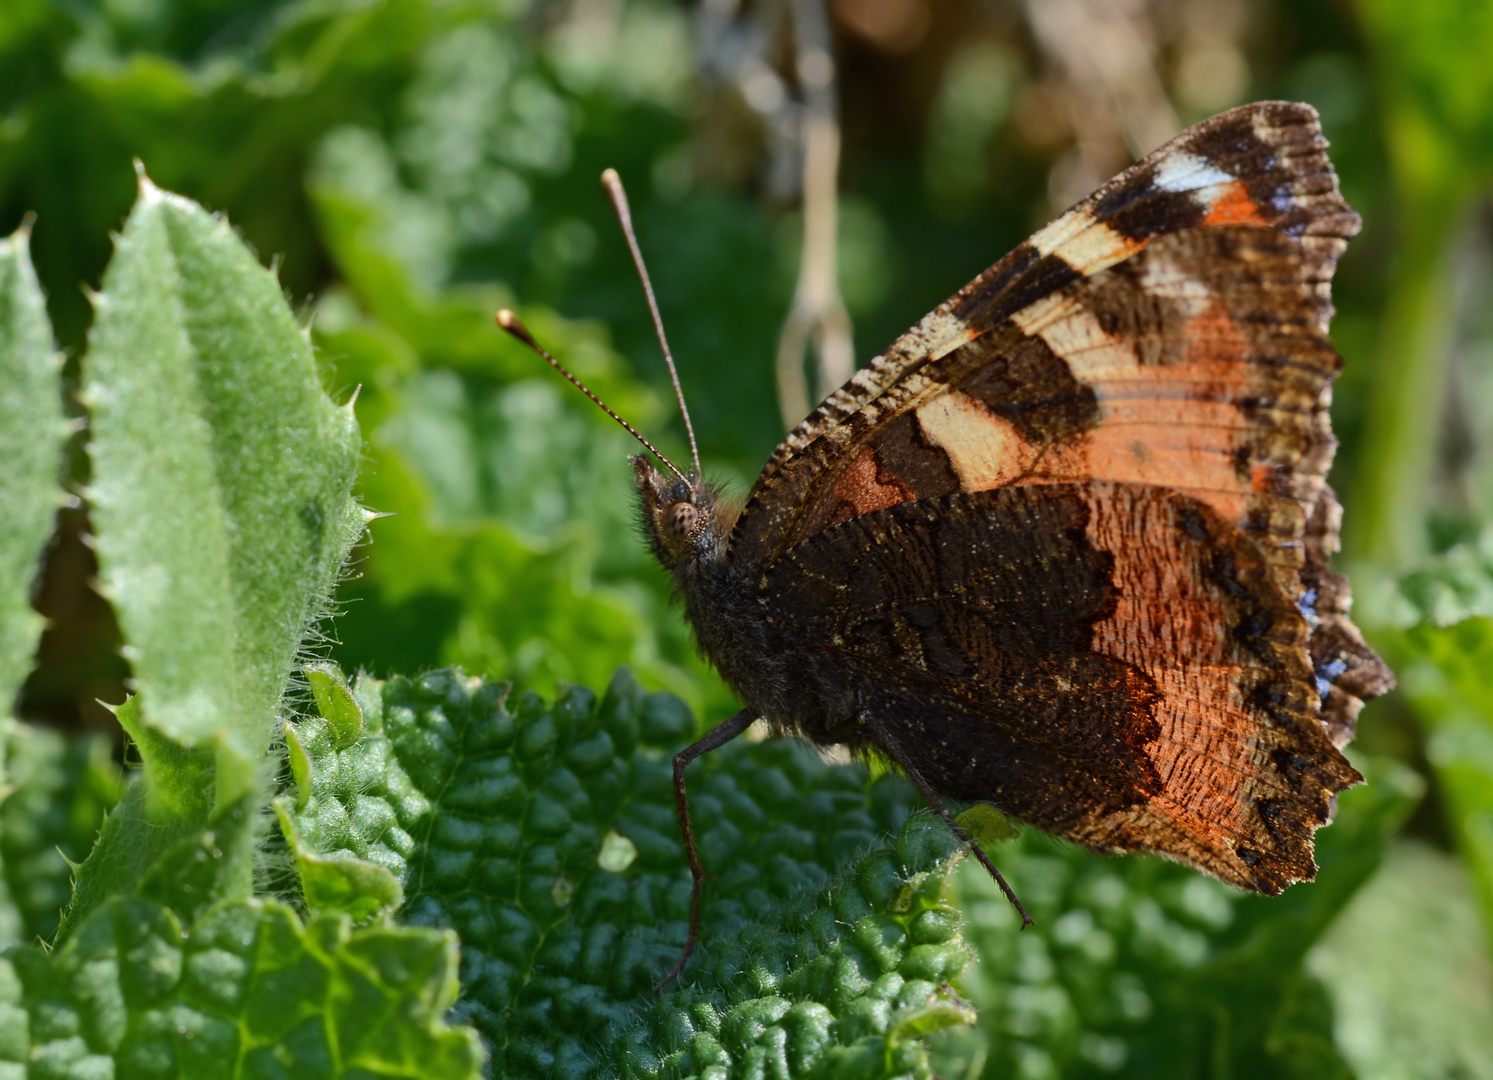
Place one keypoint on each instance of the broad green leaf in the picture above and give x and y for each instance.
(59, 791)
(32, 432)
(246, 990)
(221, 476)
(545, 835)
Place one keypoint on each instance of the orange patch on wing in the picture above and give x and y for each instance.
(1234, 207)
(862, 489)
(1168, 624)
(1214, 338)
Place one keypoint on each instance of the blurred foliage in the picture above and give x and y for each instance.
(411, 164)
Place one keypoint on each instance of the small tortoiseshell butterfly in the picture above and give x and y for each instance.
(1063, 548)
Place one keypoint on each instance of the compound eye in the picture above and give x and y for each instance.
(682, 518)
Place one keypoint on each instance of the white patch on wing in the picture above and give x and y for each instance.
(1073, 332)
(1164, 276)
(1059, 231)
(1083, 243)
(985, 450)
(1180, 171)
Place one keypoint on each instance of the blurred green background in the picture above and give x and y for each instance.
(410, 165)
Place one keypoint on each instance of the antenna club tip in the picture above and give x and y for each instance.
(610, 178)
(508, 321)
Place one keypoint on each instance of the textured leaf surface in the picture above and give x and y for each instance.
(246, 991)
(59, 792)
(32, 431)
(221, 474)
(545, 835)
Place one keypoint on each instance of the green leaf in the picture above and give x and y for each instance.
(545, 835)
(221, 475)
(1446, 673)
(1455, 585)
(339, 881)
(1413, 989)
(184, 860)
(32, 432)
(1138, 967)
(221, 499)
(511, 489)
(59, 791)
(335, 702)
(246, 990)
(207, 867)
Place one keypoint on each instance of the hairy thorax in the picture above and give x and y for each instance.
(794, 686)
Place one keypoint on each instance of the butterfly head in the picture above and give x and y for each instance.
(683, 518)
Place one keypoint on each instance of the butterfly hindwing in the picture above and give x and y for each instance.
(1110, 662)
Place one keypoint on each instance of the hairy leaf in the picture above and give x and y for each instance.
(221, 498)
(32, 431)
(222, 474)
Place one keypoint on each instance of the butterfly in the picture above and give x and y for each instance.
(1063, 548)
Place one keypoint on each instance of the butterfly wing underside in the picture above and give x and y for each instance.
(1069, 537)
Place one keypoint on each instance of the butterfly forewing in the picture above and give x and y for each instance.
(1263, 164)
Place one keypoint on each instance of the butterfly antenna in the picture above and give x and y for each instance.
(613, 184)
(508, 321)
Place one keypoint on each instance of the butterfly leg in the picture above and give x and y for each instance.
(894, 751)
(715, 738)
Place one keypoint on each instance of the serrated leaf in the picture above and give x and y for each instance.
(545, 834)
(221, 501)
(339, 882)
(246, 990)
(185, 863)
(221, 475)
(32, 433)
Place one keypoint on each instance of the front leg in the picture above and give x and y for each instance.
(716, 737)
